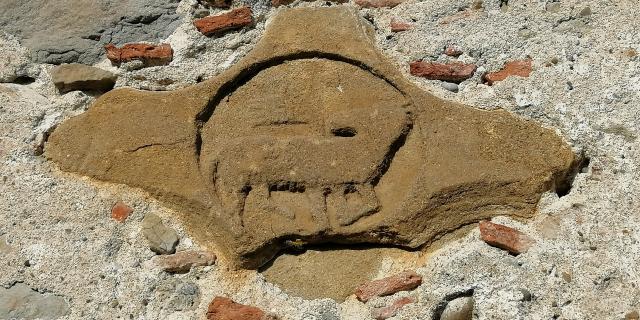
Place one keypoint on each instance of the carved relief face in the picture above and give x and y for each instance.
(309, 139)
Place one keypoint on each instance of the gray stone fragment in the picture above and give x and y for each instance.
(22, 302)
(450, 86)
(175, 294)
(162, 239)
(185, 296)
(458, 309)
(80, 33)
(74, 76)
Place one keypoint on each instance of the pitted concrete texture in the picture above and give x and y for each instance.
(314, 136)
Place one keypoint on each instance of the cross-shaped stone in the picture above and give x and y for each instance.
(314, 136)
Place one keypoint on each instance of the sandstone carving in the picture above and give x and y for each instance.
(314, 136)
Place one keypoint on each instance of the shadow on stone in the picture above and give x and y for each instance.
(332, 271)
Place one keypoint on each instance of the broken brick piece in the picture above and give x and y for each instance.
(232, 20)
(504, 237)
(120, 211)
(378, 3)
(399, 26)
(222, 308)
(183, 261)
(453, 51)
(149, 54)
(520, 68)
(407, 280)
(391, 310)
(451, 72)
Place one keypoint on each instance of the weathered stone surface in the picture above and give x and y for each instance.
(458, 309)
(120, 211)
(504, 237)
(520, 68)
(22, 302)
(222, 308)
(86, 26)
(391, 310)
(162, 239)
(149, 54)
(407, 280)
(232, 20)
(453, 72)
(314, 136)
(183, 261)
(74, 76)
(378, 3)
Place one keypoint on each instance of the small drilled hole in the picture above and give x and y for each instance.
(344, 132)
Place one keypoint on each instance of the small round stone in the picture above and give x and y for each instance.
(458, 309)
(453, 87)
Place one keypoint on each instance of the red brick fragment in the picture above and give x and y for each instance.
(120, 211)
(391, 310)
(378, 3)
(222, 308)
(504, 237)
(232, 20)
(399, 26)
(451, 72)
(149, 54)
(183, 261)
(453, 51)
(520, 68)
(407, 280)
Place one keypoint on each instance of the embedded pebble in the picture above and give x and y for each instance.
(453, 87)
(161, 239)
